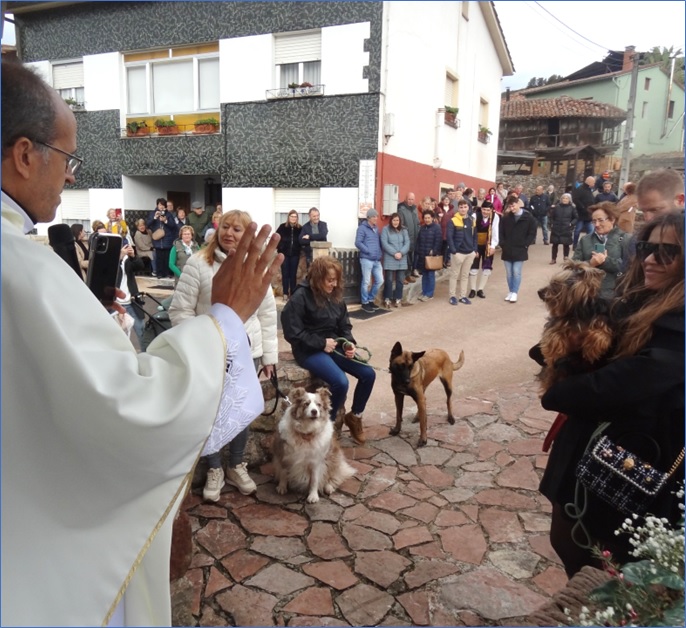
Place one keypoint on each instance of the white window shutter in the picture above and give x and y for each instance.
(65, 75)
(297, 48)
(75, 205)
(300, 199)
(449, 92)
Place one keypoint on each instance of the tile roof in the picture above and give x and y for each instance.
(562, 107)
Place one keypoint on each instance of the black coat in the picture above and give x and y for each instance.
(642, 396)
(516, 236)
(306, 325)
(289, 244)
(562, 222)
(583, 198)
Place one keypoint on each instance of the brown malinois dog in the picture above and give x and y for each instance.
(411, 373)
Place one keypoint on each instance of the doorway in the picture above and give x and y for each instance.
(180, 199)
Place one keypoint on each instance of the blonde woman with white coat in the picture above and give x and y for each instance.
(191, 298)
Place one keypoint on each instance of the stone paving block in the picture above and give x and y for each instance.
(500, 433)
(416, 603)
(526, 447)
(506, 498)
(210, 511)
(491, 595)
(423, 512)
(541, 461)
(313, 601)
(541, 545)
(324, 510)
(378, 481)
(428, 570)
(271, 521)
(418, 490)
(280, 580)
(487, 449)
(207, 618)
(465, 543)
(552, 580)
(243, 564)
(344, 500)
(517, 564)
(383, 568)
(450, 518)
(334, 573)
(474, 480)
(363, 538)
(361, 468)
(502, 526)
(351, 486)
(457, 495)
(428, 550)
(392, 501)
(316, 621)
(411, 536)
(278, 547)
(354, 512)
(484, 466)
(325, 542)
(535, 521)
(460, 459)
(433, 476)
(437, 501)
(381, 521)
(364, 605)
(479, 421)
(221, 537)
(216, 581)
(460, 434)
(434, 455)
(248, 607)
(471, 510)
(399, 450)
(503, 459)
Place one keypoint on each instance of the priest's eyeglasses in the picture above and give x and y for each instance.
(73, 162)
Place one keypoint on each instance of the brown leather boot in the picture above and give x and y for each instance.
(354, 424)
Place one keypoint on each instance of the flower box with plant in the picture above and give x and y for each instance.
(450, 116)
(484, 135)
(649, 592)
(74, 104)
(167, 127)
(206, 125)
(135, 128)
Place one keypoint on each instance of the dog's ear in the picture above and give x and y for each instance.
(416, 356)
(297, 394)
(324, 393)
(396, 350)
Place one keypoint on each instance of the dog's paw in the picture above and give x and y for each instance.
(329, 488)
(421, 442)
(451, 420)
(313, 498)
(394, 431)
(281, 490)
(416, 419)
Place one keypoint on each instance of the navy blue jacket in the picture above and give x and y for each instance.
(461, 235)
(317, 237)
(429, 242)
(170, 229)
(368, 241)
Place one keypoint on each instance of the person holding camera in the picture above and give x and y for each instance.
(162, 225)
(607, 248)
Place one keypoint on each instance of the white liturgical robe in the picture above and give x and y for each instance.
(98, 442)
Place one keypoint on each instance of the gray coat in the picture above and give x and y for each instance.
(393, 242)
(617, 247)
(410, 220)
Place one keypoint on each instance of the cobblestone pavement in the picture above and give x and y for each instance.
(454, 533)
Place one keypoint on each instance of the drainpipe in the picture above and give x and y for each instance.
(440, 114)
(669, 96)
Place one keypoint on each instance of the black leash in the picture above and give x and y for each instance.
(274, 379)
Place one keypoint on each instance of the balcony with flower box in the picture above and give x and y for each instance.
(484, 134)
(450, 117)
(295, 90)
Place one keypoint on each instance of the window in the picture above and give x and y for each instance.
(644, 110)
(670, 111)
(483, 112)
(300, 199)
(75, 208)
(298, 58)
(67, 79)
(646, 84)
(177, 80)
(451, 85)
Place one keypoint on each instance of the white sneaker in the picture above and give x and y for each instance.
(213, 485)
(509, 296)
(238, 476)
(513, 298)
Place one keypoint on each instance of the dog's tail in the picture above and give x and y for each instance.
(460, 361)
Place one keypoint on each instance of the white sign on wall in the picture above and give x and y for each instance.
(366, 186)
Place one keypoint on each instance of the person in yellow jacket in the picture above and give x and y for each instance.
(116, 225)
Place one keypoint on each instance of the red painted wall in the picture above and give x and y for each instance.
(421, 179)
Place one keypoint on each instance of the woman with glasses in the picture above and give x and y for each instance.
(639, 391)
(607, 248)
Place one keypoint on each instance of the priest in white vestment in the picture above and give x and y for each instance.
(99, 442)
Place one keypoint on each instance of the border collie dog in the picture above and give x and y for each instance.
(306, 455)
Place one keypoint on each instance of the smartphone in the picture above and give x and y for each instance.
(104, 266)
(599, 247)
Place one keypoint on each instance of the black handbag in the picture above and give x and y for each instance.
(620, 478)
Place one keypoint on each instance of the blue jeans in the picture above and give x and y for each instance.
(393, 284)
(586, 227)
(370, 269)
(138, 323)
(428, 282)
(543, 221)
(513, 272)
(289, 271)
(331, 368)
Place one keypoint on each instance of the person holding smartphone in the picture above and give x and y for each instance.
(161, 218)
(607, 248)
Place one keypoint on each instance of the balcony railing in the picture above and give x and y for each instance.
(604, 137)
(295, 92)
(179, 129)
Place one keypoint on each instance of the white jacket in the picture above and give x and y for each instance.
(192, 297)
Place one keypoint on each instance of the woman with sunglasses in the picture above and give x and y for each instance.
(607, 248)
(639, 391)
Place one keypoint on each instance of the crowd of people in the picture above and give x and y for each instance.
(101, 440)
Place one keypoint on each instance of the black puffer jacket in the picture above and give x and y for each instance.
(583, 198)
(642, 396)
(562, 222)
(306, 325)
(516, 236)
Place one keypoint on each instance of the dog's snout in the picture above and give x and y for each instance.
(542, 293)
(314, 413)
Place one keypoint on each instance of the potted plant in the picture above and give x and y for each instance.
(450, 115)
(135, 128)
(166, 127)
(206, 125)
(74, 105)
(484, 134)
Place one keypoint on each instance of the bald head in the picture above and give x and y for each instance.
(590, 181)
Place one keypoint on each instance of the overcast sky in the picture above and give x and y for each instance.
(540, 45)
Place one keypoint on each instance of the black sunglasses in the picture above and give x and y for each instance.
(663, 253)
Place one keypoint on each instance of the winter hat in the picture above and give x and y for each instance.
(196, 205)
(372, 213)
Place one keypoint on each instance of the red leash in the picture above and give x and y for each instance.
(554, 429)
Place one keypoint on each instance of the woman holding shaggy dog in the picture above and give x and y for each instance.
(314, 321)
(639, 391)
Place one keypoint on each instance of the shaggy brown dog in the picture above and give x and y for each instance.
(411, 373)
(307, 457)
(577, 335)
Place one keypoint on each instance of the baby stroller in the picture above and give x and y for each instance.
(156, 323)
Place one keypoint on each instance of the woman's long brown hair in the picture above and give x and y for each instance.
(317, 275)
